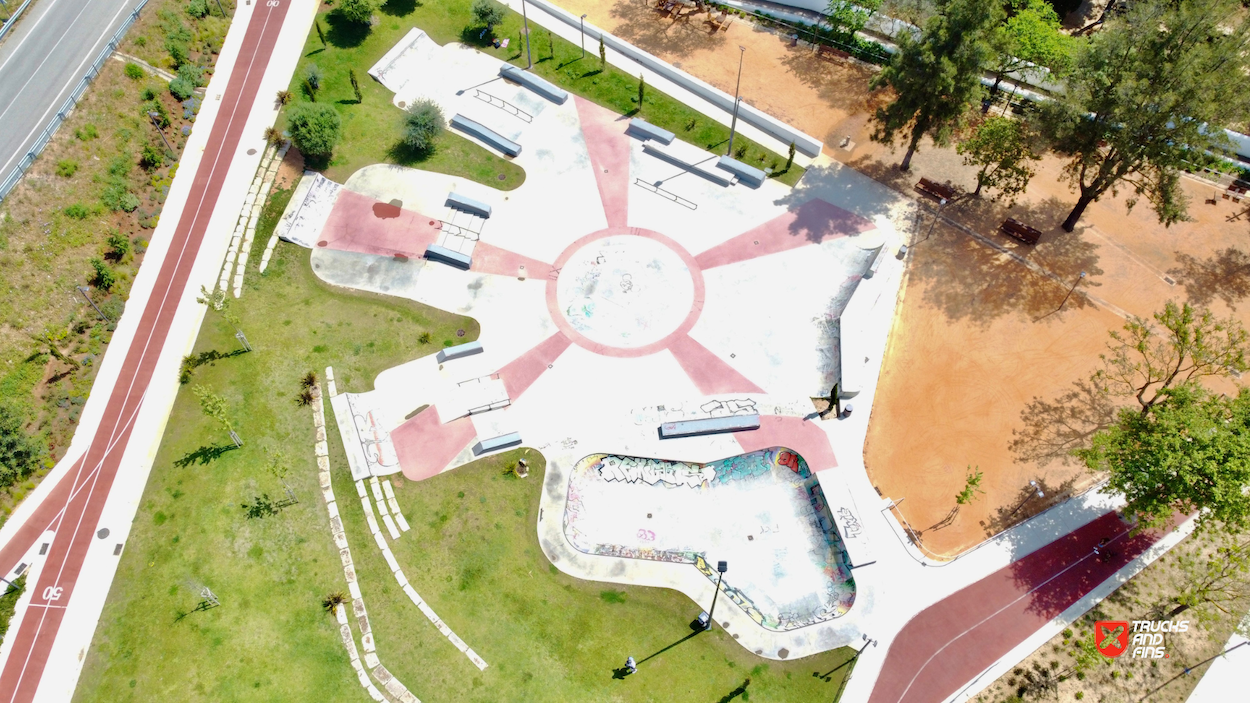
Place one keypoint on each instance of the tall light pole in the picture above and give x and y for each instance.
(525, 18)
(583, 27)
(937, 215)
(722, 567)
(152, 116)
(733, 126)
(1069, 295)
(85, 293)
(1039, 493)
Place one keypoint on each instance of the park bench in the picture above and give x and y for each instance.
(1018, 230)
(830, 53)
(935, 190)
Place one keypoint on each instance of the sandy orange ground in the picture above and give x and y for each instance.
(976, 338)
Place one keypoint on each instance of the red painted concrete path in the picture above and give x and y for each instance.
(608, 145)
(425, 444)
(813, 222)
(79, 504)
(951, 642)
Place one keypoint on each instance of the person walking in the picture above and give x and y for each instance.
(630, 665)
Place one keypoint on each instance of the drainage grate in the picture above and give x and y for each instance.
(118, 549)
(43, 549)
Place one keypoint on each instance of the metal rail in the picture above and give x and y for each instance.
(41, 142)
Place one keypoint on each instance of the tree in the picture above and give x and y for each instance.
(1030, 36)
(487, 13)
(314, 128)
(356, 11)
(1191, 452)
(790, 157)
(20, 453)
(642, 90)
(151, 158)
(603, 54)
(351, 76)
(972, 486)
(1144, 361)
(1140, 96)
(1003, 148)
(423, 124)
(119, 245)
(312, 81)
(936, 76)
(1217, 574)
(217, 300)
(845, 18)
(102, 277)
(214, 407)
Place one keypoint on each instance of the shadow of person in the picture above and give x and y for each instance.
(620, 673)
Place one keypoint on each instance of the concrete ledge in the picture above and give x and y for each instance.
(473, 129)
(711, 425)
(443, 255)
(460, 202)
(750, 175)
(646, 130)
(534, 83)
(459, 351)
(511, 439)
(716, 177)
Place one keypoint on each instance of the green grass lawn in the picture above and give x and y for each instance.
(371, 129)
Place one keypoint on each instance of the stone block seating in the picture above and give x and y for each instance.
(534, 83)
(469, 205)
(711, 425)
(646, 130)
(494, 444)
(746, 174)
(713, 175)
(459, 351)
(491, 137)
(444, 255)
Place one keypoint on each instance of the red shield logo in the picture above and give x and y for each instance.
(1111, 637)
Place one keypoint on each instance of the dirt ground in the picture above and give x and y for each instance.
(979, 335)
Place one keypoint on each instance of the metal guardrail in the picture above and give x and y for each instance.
(8, 24)
(503, 105)
(45, 136)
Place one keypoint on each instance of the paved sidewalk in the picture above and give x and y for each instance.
(112, 471)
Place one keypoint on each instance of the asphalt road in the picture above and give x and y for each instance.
(42, 59)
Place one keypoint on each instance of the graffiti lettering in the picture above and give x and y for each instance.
(651, 471)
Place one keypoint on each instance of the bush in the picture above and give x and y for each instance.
(181, 88)
(78, 211)
(162, 115)
(20, 454)
(119, 245)
(133, 70)
(66, 168)
(422, 125)
(357, 11)
(314, 128)
(487, 13)
(103, 278)
(86, 133)
(117, 198)
(197, 8)
(151, 158)
(148, 93)
(179, 52)
(192, 73)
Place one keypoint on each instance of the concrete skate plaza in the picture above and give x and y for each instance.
(764, 512)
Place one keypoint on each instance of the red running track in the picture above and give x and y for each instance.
(74, 506)
(953, 641)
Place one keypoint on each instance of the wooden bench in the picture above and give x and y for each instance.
(829, 53)
(934, 190)
(1018, 230)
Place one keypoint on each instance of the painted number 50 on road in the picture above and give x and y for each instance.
(52, 593)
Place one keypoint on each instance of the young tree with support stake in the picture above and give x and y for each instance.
(1003, 148)
(217, 300)
(1141, 95)
(214, 407)
(936, 76)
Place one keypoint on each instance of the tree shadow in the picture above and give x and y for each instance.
(399, 8)
(204, 455)
(402, 154)
(643, 26)
(1225, 276)
(317, 162)
(314, 52)
(741, 690)
(1052, 429)
(477, 36)
(345, 34)
(210, 357)
(1025, 503)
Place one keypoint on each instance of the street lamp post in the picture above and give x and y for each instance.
(936, 216)
(157, 125)
(1074, 284)
(84, 290)
(733, 126)
(1039, 493)
(583, 28)
(722, 567)
(525, 18)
